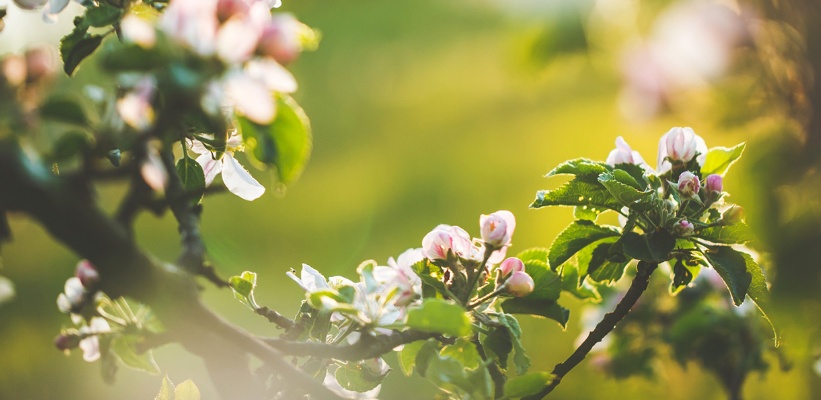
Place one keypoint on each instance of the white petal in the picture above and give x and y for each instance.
(236, 40)
(91, 348)
(139, 31)
(312, 279)
(275, 76)
(210, 167)
(6, 289)
(251, 98)
(153, 171)
(238, 180)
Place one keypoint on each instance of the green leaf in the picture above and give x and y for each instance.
(578, 192)
(119, 57)
(103, 15)
(520, 359)
(428, 352)
(187, 390)
(727, 234)
(547, 283)
(605, 266)
(719, 159)
(431, 276)
(125, 349)
(166, 390)
(534, 253)
(652, 247)
(358, 377)
(542, 308)
(527, 385)
(635, 171)
(575, 285)
(407, 356)
(575, 237)
(500, 342)
(586, 213)
(285, 143)
(626, 194)
(78, 45)
(64, 109)
(243, 287)
(436, 315)
(192, 177)
(581, 167)
(683, 274)
(463, 351)
(624, 177)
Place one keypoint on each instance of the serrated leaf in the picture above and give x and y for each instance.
(192, 177)
(78, 45)
(577, 192)
(625, 194)
(541, 308)
(547, 283)
(103, 15)
(719, 159)
(436, 315)
(187, 390)
(407, 356)
(731, 265)
(575, 285)
(586, 213)
(527, 385)
(166, 390)
(575, 237)
(429, 351)
(624, 177)
(605, 266)
(357, 377)
(581, 167)
(636, 172)
(64, 109)
(285, 143)
(727, 234)
(125, 349)
(652, 247)
(431, 276)
(520, 359)
(463, 351)
(535, 253)
(500, 342)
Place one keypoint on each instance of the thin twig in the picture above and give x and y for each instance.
(639, 285)
(276, 318)
(366, 347)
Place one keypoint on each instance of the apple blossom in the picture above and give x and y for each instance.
(87, 274)
(135, 107)
(497, 228)
(138, 31)
(73, 295)
(713, 184)
(680, 145)
(236, 178)
(688, 184)
(91, 344)
(444, 240)
(510, 265)
(683, 228)
(519, 284)
(623, 154)
(399, 274)
(733, 215)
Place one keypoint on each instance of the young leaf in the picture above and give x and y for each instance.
(605, 266)
(285, 143)
(78, 45)
(626, 194)
(407, 356)
(727, 234)
(575, 237)
(463, 351)
(358, 377)
(187, 390)
(520, 359)
(192, 177)
(651, 247)
(64, 109)
(719, 159)
(103, 15)
(624, 177)
(527, 385)
(243, 287)
(577, 192)
(166, 390)
(436, 315)
(500, 342)
(582, 167)
(573, 284)
(542, 308)
(125, 349)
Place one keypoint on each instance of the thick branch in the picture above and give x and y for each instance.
(72, 218)
(367, 347)
(604, 327)
(276, 318)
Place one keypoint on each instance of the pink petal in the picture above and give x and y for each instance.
(251, 98)
(210, 167)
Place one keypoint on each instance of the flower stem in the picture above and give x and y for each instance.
(474, 278)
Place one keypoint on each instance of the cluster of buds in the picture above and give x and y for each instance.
(79, 289)
(513, 279)
(86, 338)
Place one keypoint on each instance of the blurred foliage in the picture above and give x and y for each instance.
(431, 111)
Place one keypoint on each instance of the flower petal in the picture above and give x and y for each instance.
(251, 98)
(210, 167)
(275, 76)
(238, 180)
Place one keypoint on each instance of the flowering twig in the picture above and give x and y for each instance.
(639, 285)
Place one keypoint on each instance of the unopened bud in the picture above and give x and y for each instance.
(497, 228)
(684, 228)
(66, 341)
(713, 184)
(733, 215)
(511, 265)
(282, 38)
(688, 184)
(87, 274)
(520, 284)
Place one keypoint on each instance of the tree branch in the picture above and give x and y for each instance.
(639, 285)
(366, 347)
(276, 318)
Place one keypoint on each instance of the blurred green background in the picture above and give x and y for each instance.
(423, 113)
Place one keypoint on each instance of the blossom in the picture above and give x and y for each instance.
(733, 215)
(684, 228)
(153, 170)
(236, 178)
(511, 265)
(135, 107)
(138, 31)
(73, 295)
(399, 274)
(623, 154)
(688, 184)
(87, 274)
(680, 144)
(519, 284)
(283, 39)
(444, 240)
(713, 184)
(91, 344)
(497, 228)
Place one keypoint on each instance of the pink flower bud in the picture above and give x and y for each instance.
(623, 154)
(228, 8)
(733, 215)
(87, 274)
(511, 265)
(497, 228)
(713, 184)
(520, 284)
(66, 341)
(281, 39)
(680, 144)
(688, 184)
(444, 238)
(684, 228)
